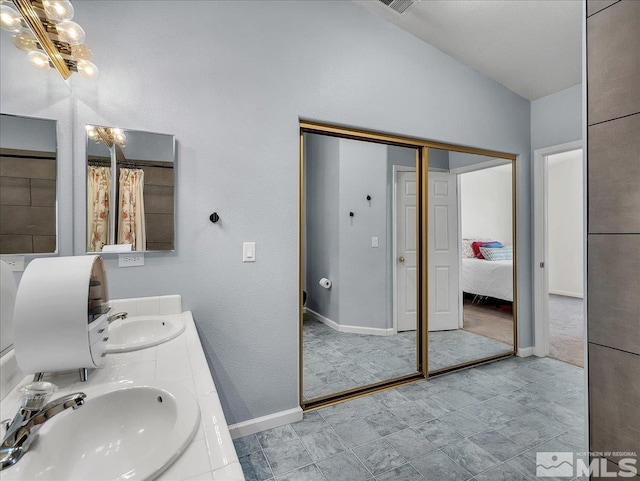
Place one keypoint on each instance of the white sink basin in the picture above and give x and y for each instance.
(140, 332)
(132, 433)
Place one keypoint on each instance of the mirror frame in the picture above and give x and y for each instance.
(57, 206)
(114, 162)
(421, 147)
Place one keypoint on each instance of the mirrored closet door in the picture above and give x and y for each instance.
(359, 264)
(407, 251)
(470, 256)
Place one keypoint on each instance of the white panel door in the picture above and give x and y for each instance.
(443, 252)
(406, 255)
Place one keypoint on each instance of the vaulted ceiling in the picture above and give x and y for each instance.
(532, 47)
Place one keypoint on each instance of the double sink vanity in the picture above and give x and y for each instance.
(150, 412)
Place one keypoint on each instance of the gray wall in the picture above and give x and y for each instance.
(235, 117)
(140, 146)
(613, 239)
(438, 159)
(322, 180)
(363, 269)
(27, 134)
(148, 146)
(98, 149)
(339, 174)
(460, 159)
(557, 118)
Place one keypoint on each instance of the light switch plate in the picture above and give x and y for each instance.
(131, 260)
(375, 242)
(248, 252)
(16, 263)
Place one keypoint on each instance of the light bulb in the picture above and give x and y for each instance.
(10, 19)
(39, 60)
(92, 132)
(81, 52)
(87, 69)
(70, 32)
(119, 136)
(25, 41)
(58, 10)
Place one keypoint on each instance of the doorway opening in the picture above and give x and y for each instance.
(560, 276)
(485, 219)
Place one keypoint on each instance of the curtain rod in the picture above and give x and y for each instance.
(129, 164)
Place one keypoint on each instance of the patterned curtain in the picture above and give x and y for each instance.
(131, 223)
(98, 193)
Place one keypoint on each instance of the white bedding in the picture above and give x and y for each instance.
(488, 278)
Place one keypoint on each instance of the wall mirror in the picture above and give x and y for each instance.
(130, 189)
(28, 185)
(471, 251)
(389, 290)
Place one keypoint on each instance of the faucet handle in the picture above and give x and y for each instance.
(116, 316)
(36, 394)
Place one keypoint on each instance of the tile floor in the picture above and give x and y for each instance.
(337, 361)
(480, 424)
(566, 329)
(449, 348)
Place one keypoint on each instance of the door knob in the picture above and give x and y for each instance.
(401, 258)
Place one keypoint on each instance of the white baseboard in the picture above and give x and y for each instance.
(252, 426)
(324, 320)
(567, 294)
(525, 352)
(539, 352)
(371, 331)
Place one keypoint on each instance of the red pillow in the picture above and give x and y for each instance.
(476, 247)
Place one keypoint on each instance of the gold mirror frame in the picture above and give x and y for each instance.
(422, 168)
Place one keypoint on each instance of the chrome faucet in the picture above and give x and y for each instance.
(116, 316)
(23, 430)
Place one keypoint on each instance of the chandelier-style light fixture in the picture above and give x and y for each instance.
(43, 28)
(108, 135)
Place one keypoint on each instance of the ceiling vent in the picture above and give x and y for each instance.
(399, 6)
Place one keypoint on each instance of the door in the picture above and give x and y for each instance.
(443, 252)
(405, 255)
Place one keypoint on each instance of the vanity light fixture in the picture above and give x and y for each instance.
(44, 29)
(108, 135)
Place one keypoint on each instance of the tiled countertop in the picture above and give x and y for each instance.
(211, 454)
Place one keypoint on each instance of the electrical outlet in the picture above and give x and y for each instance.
(15, 263)
(131, 260)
